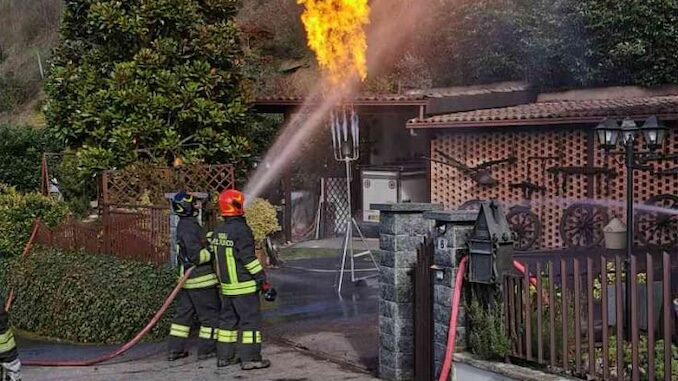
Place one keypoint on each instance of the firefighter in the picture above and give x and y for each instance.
(242, 279)
(200, 295)
(10, 366)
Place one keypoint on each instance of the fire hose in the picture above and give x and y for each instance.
(122, 349)
(452, 332)
(456, 297)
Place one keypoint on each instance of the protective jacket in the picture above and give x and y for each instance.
(192, 250)
(240, 272)
(8, 351)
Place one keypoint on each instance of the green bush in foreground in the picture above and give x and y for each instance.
(18, 211)
(86, 298)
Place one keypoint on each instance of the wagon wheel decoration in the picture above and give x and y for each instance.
(657, 223)
(525, 225)
(582, 225)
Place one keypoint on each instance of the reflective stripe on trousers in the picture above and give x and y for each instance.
(7, 342)
(179, 330)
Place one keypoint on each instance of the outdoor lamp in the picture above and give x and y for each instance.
(654, 133)
(608, 134)
(628, 130)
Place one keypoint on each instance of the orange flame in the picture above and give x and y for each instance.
(336, 34)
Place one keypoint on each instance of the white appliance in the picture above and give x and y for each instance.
(391, 184)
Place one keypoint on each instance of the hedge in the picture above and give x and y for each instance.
(18, 212)
(84, 298)
(21, 149)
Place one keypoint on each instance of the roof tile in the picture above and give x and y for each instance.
(567, 110)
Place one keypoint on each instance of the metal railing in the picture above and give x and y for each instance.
(571, 312)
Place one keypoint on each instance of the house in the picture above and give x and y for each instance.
(507, 142)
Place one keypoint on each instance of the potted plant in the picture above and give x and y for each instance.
(262, 219)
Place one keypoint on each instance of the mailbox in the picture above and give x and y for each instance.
(490, 246)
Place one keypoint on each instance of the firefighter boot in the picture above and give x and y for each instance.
(173, 356)
(227, 362)
(252, 365)
(207, 354)
(11, 371)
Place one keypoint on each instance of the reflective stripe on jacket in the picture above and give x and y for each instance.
(239, 269)
(192, 247)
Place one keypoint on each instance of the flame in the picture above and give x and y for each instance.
(336, 34)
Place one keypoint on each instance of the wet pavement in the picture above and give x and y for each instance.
(307, 314)
(310, 313)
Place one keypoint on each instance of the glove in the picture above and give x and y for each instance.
(13, 370)
(269, 292)
(261, 281)
(186, 262)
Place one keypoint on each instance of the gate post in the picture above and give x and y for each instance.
(401, 232)
(450, 232)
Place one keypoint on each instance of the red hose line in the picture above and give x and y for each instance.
(521, 269)
(125, 347)
(452, 332)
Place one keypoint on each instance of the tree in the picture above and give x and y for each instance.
(149, 80)
(498, 40)
(635, 41)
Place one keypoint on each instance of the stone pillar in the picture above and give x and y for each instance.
(402, 230)
(450, 232)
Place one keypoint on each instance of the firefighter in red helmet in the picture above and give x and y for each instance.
(242, 278)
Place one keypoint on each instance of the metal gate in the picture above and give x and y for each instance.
(423, 312)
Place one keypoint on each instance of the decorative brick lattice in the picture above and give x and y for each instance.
(452, 188)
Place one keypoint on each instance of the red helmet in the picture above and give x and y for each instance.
(232, 203)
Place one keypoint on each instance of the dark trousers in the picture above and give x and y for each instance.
(240, 328)
(8, 351)
(202, 303)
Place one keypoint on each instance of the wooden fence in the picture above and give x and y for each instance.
(140, 233)
(579, 317)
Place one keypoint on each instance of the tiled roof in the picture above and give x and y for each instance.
(357, 99)
(457, 91)
(556, 112)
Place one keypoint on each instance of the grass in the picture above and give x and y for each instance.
(291, 253)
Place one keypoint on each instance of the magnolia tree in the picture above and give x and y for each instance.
(152, 80)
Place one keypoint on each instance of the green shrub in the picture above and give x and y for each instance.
(486, 335)
(17, 213)
(89, 299)
(4, 271)
(21, 149)
(262, 219)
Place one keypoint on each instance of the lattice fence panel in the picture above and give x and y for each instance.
(335, 211)
(143, 184)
